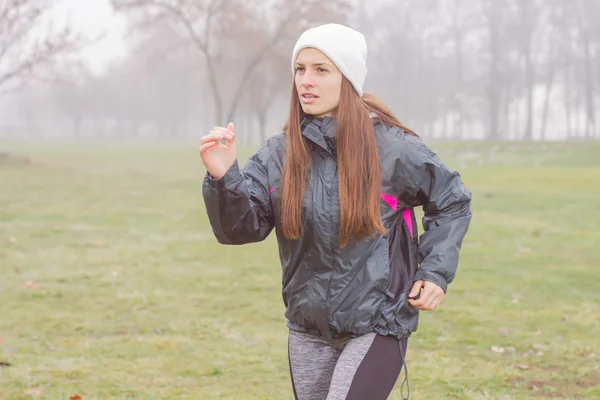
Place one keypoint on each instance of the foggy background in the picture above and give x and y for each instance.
(171, 69)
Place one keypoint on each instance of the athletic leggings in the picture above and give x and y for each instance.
(366, 367)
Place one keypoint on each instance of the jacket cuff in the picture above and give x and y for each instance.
(230, 180)
(432, 277)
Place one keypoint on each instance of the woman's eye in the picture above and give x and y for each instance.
(322, 70)
(299, 69)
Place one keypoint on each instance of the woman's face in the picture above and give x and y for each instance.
(318, 82)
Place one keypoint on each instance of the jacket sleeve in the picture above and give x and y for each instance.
(238, 204)
(424, 180)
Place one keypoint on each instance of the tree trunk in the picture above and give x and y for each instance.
(136, 128)
(578, 107)
(590, 128)
(567, 100)
(529, 75)
(494, 11)
(262, 124)
(493, 132)
(77, 125)
(528, 18)
(506, 109)
(549, 85)
(517, 123)
(218, 104)
(458, 54)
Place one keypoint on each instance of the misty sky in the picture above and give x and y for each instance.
(91, 18)
(527, 70)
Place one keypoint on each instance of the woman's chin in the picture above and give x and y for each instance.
(315, 112)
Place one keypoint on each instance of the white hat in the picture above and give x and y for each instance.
(346, 47)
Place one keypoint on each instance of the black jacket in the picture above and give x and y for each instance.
(363, 287)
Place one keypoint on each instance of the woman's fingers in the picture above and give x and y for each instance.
(425, 297)
(227, 134)
(416, 289)
(205, 146)
(430, 298)
(217, 135)
(432, 303)
(212, 137)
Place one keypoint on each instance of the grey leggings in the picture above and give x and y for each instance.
(366, 367)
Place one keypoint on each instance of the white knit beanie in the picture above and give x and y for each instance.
(346, 47)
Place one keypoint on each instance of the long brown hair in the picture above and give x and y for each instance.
(359, 182)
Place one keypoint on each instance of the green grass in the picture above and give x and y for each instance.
(113, 287)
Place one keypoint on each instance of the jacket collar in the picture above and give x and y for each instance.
(323, 131)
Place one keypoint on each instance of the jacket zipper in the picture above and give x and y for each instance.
(331, 236)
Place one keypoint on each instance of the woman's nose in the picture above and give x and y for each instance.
(307, 80)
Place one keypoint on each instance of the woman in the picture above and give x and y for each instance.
(339, 186)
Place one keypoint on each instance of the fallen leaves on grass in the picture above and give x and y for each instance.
(232, 334)
(212, 372)
(497, 349)
(532, 352)
(523, 250)
(504, 331)
(31, 285)
(53, 347)
(500, 349)
(75, 397)
(555, 388)
(5, 364)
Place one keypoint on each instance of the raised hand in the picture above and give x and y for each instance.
(218, 157)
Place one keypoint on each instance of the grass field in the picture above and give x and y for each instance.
(113, 287)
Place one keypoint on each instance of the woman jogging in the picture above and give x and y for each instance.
(338, 186)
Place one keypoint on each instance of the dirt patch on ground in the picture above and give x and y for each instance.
(13, 160)
(18, 160)
(559, 387)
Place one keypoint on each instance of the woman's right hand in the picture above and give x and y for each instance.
(217, 157)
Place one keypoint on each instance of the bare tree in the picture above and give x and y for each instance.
(266, 87)
(498, 69)
(69, 94)
(527, 25)
(586, 14)
(216, 28)
(495, 14)
(28, 42)
(458, 32)
(557, 57)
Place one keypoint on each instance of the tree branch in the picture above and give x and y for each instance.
(18, 21)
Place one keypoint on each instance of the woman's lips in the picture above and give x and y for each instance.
(309, 99)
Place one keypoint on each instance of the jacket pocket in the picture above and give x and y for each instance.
(403, 245)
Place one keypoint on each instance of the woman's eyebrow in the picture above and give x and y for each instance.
(315, 64)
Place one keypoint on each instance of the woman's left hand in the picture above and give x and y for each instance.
(431, 297)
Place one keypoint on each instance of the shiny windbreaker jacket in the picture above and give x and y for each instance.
(343, 292)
